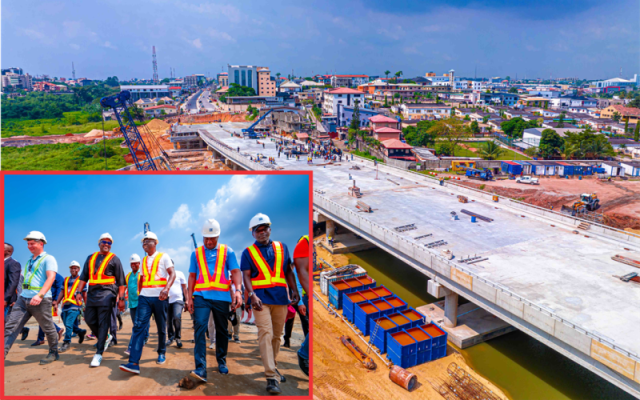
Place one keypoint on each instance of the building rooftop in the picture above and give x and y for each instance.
(343, 91)
(376, 119)
(395, 144)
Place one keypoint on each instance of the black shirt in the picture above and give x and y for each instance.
(103, 295)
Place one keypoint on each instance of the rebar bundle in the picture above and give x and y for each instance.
(460, 385)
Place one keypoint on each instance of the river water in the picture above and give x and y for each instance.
(520, 365)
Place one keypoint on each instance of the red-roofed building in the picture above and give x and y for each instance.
(394, 148)
(385, 133)
(382, 121)
(349, 80)
(344, 96)
(175, 91)
(157, 110)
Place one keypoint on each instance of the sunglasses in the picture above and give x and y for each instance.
(105, 242)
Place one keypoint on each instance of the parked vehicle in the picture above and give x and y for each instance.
(528, 179)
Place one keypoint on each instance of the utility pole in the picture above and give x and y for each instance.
(155, 67)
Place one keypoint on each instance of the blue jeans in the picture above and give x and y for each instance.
(70, 319)
(201, 309)
(304, 350)
(146, 307)
(41, 333)
(133, 312)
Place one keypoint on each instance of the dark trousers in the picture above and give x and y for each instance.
(98, 318)
(113, 328)
(288, 327)
(146, 307)
(202, 309)
(70, 319)
(21, 312)
(41, 332)
(174, 323)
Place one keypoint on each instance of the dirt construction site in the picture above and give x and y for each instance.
(619, 199)
(71, 375)
(338, 374)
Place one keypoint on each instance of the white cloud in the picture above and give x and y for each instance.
(196, 43)
(32, 33)
(137, 236)
(181, 218)
(221, 35)
(108, 45)
(74, 46)
(238, 191)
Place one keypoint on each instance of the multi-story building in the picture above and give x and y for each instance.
(344, 96)
(223, 79)
(617, 82)
(349, 80)
(191, 80)
(626, 113)
(572, 101)
(12, 79)
(266, 84)
(425, 111)
(244, 75)
(146, 91)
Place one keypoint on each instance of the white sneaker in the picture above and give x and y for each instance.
(108, 342)
(97, 359)
(212, 345)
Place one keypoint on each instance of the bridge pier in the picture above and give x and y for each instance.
(451, 309)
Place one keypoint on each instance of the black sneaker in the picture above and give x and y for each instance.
(65, 346)
(273, 387)
(51, 357)
(178, 343)
(304, 364)
(25, 333)
(282, 378)
(286, 344)
(81, 336)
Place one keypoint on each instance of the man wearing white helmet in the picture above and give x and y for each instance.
(35, 299)
(269, 280)
(133, 284)
(209, 271)
(71, 307)
(105, 276)
(158, 275)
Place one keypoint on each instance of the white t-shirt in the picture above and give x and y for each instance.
(165, 262)
(175, 293)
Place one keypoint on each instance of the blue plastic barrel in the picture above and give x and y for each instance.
(473, 219)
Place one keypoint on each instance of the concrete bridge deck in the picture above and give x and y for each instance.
(539, 275)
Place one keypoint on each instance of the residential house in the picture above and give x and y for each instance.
(425, 110)
(266, 83)
(175, 91)
(290, 87)
(616, 143)
(498, 98)
(146, 103)
(534, 101)
(343, 96)
(383, 134)
(395, 149)
(345, 115)
(572, 101)
(349, 80)
(157, 111)
(626, 113)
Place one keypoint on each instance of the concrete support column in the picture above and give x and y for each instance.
(451, 310)
(331, 229)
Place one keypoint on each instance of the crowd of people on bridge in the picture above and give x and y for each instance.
(268, 283)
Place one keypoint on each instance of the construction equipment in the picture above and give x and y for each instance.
(626, 260)
(360, 355)
(480, 217)
(462, 165)
(463, 199)
(482, 174)
(587, 202)
(195, 244)
(628, 277)
(120, 104)
(354, 191)
(363, 206)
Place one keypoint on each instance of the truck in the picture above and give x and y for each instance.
(527, 179)
(482, 174)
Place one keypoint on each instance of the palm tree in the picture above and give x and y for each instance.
(572, 150)
(490, 151)
(387, 72)
(398, 75)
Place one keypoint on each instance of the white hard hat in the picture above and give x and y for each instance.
(149, 235)
(134, 258)
(259, 219)
(211, 228)
(35, 235)
(74, 263)
(105, 236)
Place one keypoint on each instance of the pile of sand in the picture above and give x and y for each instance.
(96, 133)
(157, 124)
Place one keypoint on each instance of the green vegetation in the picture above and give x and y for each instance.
(507, 154)
(64, 156)
(419, 135)
(366, 154)
(490, 151)
(254, 113)
(586, 145)
(550, 144)
(636, 132)
(71, 122)
(516, 126)
(318, 112)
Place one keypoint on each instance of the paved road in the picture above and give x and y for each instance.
(192, 103)
(207, 105)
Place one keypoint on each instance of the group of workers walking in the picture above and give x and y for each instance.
(213, 291)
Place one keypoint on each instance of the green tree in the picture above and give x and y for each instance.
(136, 113)
(386, 73)
(467, 118)
(550, 144)
(626, 126)
(398, 75)
(485, 119)
(419, 135)
(490, 151)
(355, 119)
(616, 116)
(636, 132)
(160, 102)
(475, 129)
(513, 90)
(561, 120)
(515, 127)
(112, 81)
(531, 151)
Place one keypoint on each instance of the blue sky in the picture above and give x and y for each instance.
(74, 210)
(587, 38)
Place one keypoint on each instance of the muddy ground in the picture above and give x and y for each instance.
(71, 375)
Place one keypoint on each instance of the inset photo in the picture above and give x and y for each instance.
(157, 285)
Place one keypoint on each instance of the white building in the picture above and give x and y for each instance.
(146, 91)
(345, 96)
(290, 87)
(578, 101)
(617, 82)
(425, 111)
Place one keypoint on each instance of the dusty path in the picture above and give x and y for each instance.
(71, 375)
(338, 375)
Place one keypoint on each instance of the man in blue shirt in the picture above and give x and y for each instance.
(210, 287)
(269, 280)
(35, 299)
(71, 306)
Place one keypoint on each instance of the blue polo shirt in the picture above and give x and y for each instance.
(47, 263)
(277, 295)
(132, 289)
(229, 265)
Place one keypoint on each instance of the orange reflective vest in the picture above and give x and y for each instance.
(127, 281)
(98, 277)
(70, 295)
(268, 277)
(150, 275)
(217, 281)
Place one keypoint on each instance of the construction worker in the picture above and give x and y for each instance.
(301, 262)
(133, 284)
(71, 307)
(103, 272)
(158, 275)
(209, 271)
(35, 299)
(268, 277)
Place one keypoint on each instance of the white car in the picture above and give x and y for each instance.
(527, 179)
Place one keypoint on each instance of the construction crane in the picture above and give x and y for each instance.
(120, 104)
(146, 227)
(195, 244)
(253, 134)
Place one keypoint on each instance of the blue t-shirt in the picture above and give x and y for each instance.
(70, 306)
(211, 256)
(47, 263)
(277, 295)
(132, 289)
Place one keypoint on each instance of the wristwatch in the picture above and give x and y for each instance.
(41, 295)
(122, 299)
(251, 294)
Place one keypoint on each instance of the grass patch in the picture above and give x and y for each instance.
(72, 122)
(507, 154)
(64, 157)
(366, 154)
